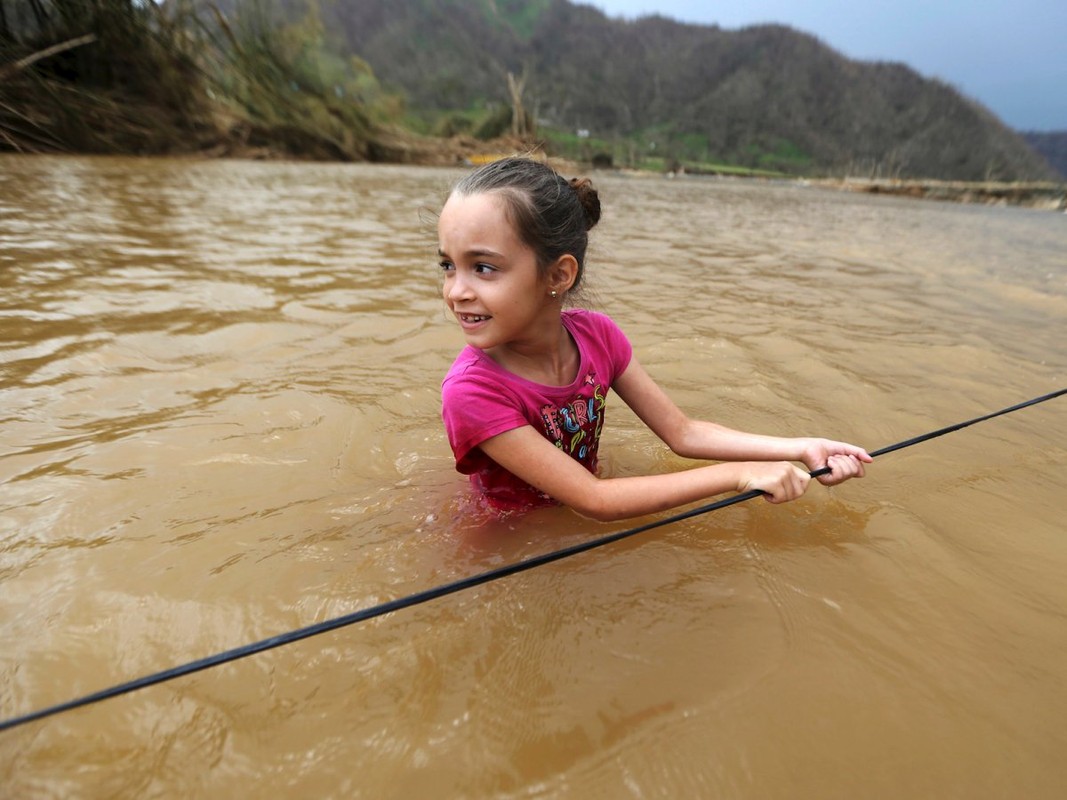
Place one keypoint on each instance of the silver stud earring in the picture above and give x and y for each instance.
(552, 293)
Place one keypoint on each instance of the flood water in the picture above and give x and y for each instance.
(219, 421)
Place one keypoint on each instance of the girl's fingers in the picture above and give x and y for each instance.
(843, 467)
(790, 486)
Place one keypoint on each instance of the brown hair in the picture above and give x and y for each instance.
(551, 215)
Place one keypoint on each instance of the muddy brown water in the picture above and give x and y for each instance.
(219, 421)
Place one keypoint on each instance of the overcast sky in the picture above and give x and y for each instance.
(1009, 55)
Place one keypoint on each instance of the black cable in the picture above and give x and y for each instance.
(957, 426)
(455, 586)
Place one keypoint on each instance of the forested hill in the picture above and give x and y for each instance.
(766, 96)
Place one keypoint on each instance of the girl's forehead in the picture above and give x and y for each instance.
(474, 215)
(490, 203)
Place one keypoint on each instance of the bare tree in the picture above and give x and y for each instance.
(521, 123)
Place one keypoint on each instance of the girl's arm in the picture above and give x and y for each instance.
(753, 461)
(706, 440)
(527, 454)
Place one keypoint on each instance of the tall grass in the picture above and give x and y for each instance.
(179, 77)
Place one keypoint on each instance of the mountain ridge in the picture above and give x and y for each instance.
(762, 96)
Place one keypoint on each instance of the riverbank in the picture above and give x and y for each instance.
(1045, 195)
(461, 150)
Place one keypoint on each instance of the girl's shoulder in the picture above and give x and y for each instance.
(599, 337)
(469, 360)
(474, 370)
(586, 318)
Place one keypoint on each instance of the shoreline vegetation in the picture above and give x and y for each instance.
(118, 77)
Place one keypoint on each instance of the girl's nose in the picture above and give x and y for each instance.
(458, 288)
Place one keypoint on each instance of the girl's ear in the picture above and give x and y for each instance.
(562, 274)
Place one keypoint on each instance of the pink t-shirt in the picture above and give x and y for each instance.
(481, 399)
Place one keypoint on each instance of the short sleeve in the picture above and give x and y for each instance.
(475, 409)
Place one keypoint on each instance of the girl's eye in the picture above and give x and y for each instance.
(446, 265)
(484, 269)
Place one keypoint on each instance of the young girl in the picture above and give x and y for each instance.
(524, 402)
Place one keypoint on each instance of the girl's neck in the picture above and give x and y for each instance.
(550, 358)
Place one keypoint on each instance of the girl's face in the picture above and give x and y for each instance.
(491, 281)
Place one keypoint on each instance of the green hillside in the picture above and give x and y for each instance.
(765, 96)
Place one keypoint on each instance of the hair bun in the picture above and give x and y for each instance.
(589, 198)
